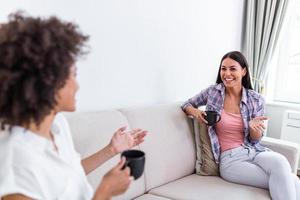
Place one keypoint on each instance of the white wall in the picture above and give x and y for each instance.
(145, 51)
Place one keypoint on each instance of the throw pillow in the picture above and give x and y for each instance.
(205, 163)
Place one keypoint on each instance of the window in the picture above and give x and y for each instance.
(287, 86)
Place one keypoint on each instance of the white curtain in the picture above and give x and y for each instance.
(264, 20)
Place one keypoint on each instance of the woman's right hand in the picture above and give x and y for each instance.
(196, 113)
(199, 115)
(114, 182)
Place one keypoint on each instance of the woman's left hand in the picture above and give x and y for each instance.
(123, 140)
(257, 126)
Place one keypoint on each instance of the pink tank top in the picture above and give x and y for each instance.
(230, 130)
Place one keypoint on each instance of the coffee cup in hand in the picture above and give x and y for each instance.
(212, 117)
(135, 160)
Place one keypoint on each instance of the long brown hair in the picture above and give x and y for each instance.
(240, 58)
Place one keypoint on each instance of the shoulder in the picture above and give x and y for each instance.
(29, 166)
(219, 86)
(255, 96)
(20, 149)
(18, 166)
(61, 128)
(255, 102)
(60, 120)
(215, 88)
(14, 149)
(61, 125)
(215, 91)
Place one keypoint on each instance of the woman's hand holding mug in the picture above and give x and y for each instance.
(199, 115)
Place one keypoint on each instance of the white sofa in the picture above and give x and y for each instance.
(170, 154)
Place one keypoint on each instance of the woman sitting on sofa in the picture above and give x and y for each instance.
(236, 137)
(37, 82)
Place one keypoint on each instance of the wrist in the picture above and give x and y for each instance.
(111, 150)
(255, 135)
(191, 111)
(103, 192)
(195, 112)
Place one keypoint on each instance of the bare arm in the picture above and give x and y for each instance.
(16, 197)
(121, 140)
(92, 162)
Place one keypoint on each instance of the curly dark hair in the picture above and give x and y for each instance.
(36, 55)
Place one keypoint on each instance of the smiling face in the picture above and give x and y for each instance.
(65, 96)
(231, 73)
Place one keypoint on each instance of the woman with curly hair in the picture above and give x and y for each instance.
(37, 82)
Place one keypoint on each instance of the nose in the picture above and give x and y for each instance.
(227, 72)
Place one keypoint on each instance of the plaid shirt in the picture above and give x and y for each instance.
(252, 105)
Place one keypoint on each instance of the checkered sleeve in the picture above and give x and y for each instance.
(199, 99)
(258, 111)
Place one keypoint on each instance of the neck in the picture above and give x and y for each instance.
(44, 128)
(234, 92)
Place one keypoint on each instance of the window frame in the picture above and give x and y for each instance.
(286, 63)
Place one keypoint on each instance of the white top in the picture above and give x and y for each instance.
(31, 166)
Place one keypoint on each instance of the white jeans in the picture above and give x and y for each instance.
(268, 170)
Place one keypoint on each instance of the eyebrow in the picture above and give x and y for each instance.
(229, 66)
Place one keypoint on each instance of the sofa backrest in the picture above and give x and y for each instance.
(169, 147)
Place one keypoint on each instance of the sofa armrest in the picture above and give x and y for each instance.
(290, 150)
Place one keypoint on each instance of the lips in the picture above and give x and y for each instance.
(228, 80)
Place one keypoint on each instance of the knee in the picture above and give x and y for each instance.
(279, 164)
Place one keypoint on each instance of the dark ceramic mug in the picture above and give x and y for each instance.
(212, 117)
(135, 160)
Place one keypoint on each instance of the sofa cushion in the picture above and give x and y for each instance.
(92, 131)
(205, 162)
(196, 187)
(169, 146)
